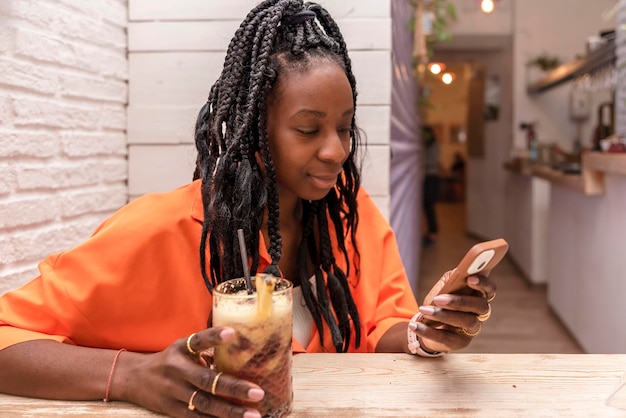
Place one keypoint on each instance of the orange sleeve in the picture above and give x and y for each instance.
(383, 294)
(134, 284)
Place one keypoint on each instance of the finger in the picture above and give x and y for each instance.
(224, 385)
(454, 319)
(483, 285)
(208, 404)
(440, 339)
(464, 303)
(205, 339)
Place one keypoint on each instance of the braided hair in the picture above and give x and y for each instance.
(238, 176)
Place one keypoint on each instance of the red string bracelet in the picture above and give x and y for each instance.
(106, 395)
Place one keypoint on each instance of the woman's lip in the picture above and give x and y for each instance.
(324, 182)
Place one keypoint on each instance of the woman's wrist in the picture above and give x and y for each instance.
(414, 343)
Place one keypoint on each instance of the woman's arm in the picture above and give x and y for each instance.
(52, 370)
(394, 340)
(162, 382)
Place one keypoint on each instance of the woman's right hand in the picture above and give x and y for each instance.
(165, 381)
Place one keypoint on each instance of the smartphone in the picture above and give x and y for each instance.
(480, 259)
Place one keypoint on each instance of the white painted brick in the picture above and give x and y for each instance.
(159, 168)
(376, 169)
(92, 201)
(85, 144)
(8, 178)
(57, 114)
(114, 170)
(7, 38)
(111, 117)
(64, 52)
(6, 111)
(161, 125)
(55, 19)
(25, 75)
(27, 211)
(31, 244)
(5, 10)
(111, 11)
(14, 280)
(58, 175)
(237, 9)
(93, 88)
(66, 149)
(40, 144)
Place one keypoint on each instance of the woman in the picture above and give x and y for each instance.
(121, 315)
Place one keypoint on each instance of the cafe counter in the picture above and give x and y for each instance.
(579, 227)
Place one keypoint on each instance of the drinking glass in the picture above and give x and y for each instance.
(261, 349)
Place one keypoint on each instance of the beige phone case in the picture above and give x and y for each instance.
(476, 261)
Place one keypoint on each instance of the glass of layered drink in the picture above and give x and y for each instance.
(261, 349)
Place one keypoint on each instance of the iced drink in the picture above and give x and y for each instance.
(261, 349)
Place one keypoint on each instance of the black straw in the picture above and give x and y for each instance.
(244, 260)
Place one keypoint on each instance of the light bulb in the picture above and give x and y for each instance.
(487, 6)
(435, 68)
(447, 78)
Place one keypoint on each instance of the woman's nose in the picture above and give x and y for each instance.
(334, 149)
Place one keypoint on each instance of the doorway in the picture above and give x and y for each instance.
(474, 114)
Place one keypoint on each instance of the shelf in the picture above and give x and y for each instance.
(574, 182)
(605, 162)
(590, 182)
(604, 55)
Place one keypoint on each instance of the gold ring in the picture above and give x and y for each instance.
(191, 350)
(485, 316)
(190, 404)
(214, 385)
(472, 334)
(492, 297)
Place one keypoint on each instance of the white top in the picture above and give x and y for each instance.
(302, 318)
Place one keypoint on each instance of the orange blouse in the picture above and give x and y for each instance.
(136, 282)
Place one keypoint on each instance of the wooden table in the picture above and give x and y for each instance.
(456, 385)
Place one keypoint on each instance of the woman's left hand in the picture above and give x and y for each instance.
(453, 320)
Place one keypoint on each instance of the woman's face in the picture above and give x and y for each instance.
(308, 124)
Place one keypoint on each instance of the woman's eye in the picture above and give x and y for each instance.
(307, 131)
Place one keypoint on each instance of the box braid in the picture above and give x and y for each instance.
(238, 176)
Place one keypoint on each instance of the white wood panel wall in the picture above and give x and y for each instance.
(176, 51)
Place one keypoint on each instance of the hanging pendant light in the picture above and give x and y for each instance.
(487, 6)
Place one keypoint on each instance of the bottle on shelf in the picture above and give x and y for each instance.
(531, 140)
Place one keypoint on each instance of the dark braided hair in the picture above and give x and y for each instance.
(277, 37)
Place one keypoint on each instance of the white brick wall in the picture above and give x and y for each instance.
(620, 94)
(176, 51)
(63, 92)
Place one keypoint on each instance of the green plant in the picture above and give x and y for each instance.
(545, 61)
(441, 13)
